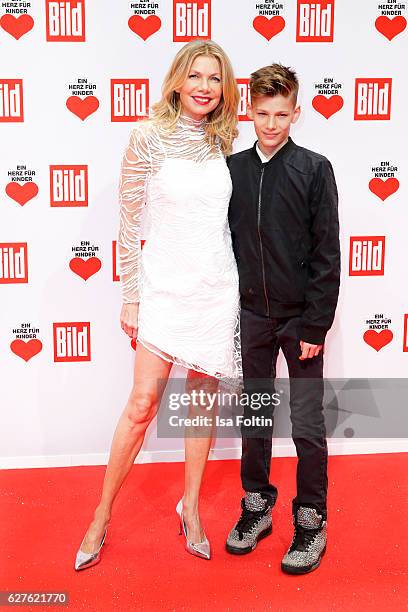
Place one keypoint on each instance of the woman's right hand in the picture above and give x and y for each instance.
(129, 319)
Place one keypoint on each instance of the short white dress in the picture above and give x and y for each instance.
(177, 186)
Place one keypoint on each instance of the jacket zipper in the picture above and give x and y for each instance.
(260, 243)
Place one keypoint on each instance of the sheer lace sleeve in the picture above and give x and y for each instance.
(134, 176)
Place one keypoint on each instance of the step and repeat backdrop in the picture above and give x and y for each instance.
(74, 78)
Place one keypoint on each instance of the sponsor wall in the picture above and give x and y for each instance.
(74, 77)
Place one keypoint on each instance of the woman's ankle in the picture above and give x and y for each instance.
(190, 507)
(102, 513)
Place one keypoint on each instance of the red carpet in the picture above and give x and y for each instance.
(144, 566)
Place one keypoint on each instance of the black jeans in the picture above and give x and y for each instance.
(261, 339)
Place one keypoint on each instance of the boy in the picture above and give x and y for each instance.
(284, 225)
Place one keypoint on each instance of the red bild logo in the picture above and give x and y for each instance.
(315, 21)
(68, 186)
(65, 21)
(11, 100)
(244, 99)
(72, 341)
(129, 99)
(13, 262)
(405, 345)
(191, 20)
(367, 256)
(372, 99)
(115, 259)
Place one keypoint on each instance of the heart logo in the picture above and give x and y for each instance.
(268, 28)
(327, 106)
(377, 340)
(85, 268)
(21, 193)
(26, 350)
(16, 26)
(144, 27)
(390, 28)
(383, 188)
(82, 107)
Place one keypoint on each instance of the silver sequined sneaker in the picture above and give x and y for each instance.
(308, 544)
(254, 524)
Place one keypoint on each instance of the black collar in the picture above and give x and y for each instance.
(282, 151)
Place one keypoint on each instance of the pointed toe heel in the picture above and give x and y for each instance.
(84, 560)
(199, 549)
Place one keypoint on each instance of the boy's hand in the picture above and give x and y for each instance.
(309, 350)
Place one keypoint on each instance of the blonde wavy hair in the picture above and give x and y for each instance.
(222, 121)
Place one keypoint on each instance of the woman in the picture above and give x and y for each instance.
(180, 297)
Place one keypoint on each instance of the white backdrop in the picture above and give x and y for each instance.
(59, 412)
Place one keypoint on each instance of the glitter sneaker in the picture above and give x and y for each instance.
(254, 524)
(308, 544)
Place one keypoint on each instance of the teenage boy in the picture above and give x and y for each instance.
(284, 225)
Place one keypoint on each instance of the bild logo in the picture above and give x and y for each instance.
(65, 21)
(244, 99)
(72, 341)
(68, 186)
(13, 262)
(129, 99)
(405, 346)
(116, 260)
(11, 100)
(191, 20)
(315, 21)
(367, 255)
(372, 99)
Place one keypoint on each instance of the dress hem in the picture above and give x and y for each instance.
(178, 361)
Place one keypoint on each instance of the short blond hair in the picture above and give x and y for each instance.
(274, 80)
(222, 121)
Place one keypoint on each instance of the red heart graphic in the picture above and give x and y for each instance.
(26, 350)
(133, 343)
(390, 27)
(327, 106)
(383, 188)
(144, 27)
(82, 107)
(16, 26)
(268, 27)
(377, 340)
(21, 193)
(85, 267)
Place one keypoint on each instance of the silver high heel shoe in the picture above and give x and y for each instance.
(200, 549)
(84, 560)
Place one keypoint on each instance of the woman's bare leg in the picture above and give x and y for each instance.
(140, 409)
(197, 446)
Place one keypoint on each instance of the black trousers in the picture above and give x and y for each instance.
(261, 339)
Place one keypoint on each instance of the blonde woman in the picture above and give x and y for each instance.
(180, 295)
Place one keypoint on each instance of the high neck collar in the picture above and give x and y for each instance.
(198, 125)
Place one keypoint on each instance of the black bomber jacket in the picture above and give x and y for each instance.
(283, 217)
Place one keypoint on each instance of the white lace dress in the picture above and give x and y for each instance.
(185, 278)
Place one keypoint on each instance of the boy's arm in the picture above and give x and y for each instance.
(322, 287)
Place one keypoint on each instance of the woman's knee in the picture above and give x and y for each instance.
(141, 408)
